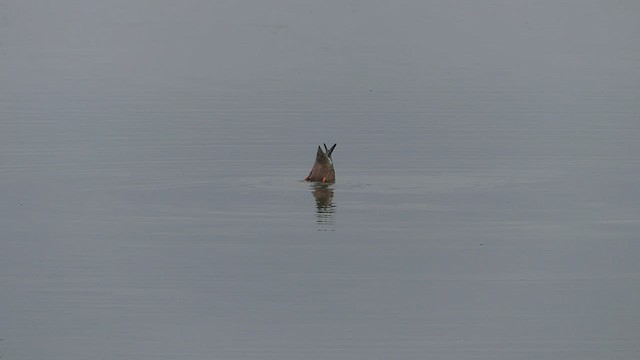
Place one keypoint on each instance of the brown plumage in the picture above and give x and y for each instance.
(322, 170)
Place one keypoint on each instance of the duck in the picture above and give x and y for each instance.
(322, 170)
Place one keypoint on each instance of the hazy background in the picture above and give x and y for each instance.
(308, 45)
(486, 203)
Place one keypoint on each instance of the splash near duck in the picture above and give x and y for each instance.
(322, 170)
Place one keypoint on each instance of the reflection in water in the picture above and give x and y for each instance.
(325, 209)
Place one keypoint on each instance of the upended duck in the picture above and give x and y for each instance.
(322, 170)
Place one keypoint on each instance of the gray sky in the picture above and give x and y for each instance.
(330, 43)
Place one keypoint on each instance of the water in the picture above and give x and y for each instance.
(153, 203)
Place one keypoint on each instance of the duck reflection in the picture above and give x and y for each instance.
(325, 209)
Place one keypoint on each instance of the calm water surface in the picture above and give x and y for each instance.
(470, 218)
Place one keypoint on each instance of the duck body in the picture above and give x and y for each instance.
(323, 170)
